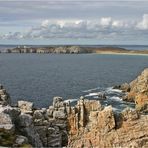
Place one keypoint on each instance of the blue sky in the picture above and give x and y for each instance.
(73, 22)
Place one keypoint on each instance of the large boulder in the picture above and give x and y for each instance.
(58, 102)
(129, 114)
(59, 115)
(106, 120)
(21, 140)
(25, 120)
(25, 106)
(6, 122)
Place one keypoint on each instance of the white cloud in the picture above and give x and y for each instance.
(106, 27)
(118, 23)
(45, 23)
(143, 25)
(105, 21)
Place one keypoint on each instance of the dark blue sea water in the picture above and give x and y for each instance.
(40, 77)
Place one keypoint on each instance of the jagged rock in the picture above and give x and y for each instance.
(133, 131)
(125, 87)
(129, 114)
(33, 136)
(58, 102)
(38, 114)
(54, 137)
(25, 120)
(4, 96)
(50, 111)
(20, 140)
(42, 131)
(59, 115)
(75, 49)
(139, 91)
(25, 106)
(106, 120)
(6, 122)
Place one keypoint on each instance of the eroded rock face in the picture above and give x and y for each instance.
(130, 129)
(139, 91)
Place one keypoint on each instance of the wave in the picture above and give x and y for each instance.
(115, 98)
(110, 89)
(89, 90)
(92, 94)
(70, 100)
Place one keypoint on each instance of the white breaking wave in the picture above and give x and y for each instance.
(115, 98)
(110, 89)
(89, 90)
(70, 100)
(92, 94)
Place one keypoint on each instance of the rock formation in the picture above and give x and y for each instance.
(25, 126)
(137, 91)
(91, 125)
(54, 49)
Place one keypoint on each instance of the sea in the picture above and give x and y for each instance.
(40, 77)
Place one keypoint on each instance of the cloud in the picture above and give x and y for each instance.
(118, 23)
(143, 25)
(103, 28)
(105, 21)
(45, 23)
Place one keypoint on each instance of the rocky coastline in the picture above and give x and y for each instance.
(87, 124)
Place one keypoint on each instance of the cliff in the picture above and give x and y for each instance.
(74, 50)
(93, 126)
(55, 49)
(137, 91)
(87, 124)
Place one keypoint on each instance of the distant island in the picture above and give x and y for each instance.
(73, 50)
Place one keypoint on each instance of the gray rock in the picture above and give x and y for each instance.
(38, 114)
(25, 106)
(4, 97)
(125, 87)
(57, 102)
(50, 111)
(2, 91)
(59, 115)
(21, 140)
(13, 112)
(130, 114)
(25, 120)
(42, 131)
(6, 122)
(54, 138)
(33, 136)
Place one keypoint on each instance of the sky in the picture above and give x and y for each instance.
(86, 22)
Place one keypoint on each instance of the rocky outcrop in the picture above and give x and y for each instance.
(54, 49)
(101, 127)
(137, 91)
(25, 126)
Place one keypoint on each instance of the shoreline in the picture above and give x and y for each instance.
(116, 53)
